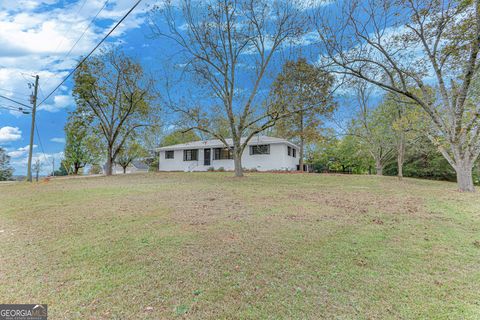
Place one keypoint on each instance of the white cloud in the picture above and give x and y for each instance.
(20, 152)
(311, 4)
(46, 162)
(9, 134)
(59, 102)
(58, 140)
(36, 36)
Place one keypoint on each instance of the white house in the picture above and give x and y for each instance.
(263, 154)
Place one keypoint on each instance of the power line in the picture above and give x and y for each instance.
(10, 108)
(91, 52)
(22, 104)
(70, 31)
(84, 31)
(40, 142)
(41, 91)
(11, 91)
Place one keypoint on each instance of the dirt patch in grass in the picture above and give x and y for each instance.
(363, 202)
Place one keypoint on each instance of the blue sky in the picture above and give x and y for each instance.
(36, 37)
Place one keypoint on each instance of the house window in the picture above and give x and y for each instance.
(260, 149)
(190, 155)
(222, 153)
(289, 150)
(169, 154)
(294, 152)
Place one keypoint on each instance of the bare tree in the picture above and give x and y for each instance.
(37, 166)
(223, 41)
(405, 47)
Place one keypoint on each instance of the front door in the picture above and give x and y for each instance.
(206, 156)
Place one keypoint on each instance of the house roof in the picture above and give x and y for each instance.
(216, 143)
(140, 164)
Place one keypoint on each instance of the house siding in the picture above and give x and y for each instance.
(276, 160)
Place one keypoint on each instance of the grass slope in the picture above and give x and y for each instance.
(269, 246)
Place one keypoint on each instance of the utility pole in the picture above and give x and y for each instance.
(32, 129)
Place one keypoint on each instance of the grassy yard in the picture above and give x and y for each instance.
(269, 246)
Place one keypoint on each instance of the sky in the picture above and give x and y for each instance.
(46, 38)
(37, 37)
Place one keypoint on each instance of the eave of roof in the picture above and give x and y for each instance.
(219, 144)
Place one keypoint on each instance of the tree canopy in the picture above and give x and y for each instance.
(115, 98)
(303, 91)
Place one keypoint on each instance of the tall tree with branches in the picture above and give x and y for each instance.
(222, 42)
(407, 46)
(373, 127)
(408, 125)
(303, 90)
(78, 139)
(113, 92)
(131, 151)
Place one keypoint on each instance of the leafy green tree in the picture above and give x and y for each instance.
(112, 90)
(373, 128)
(332, 154)
(5, 170)
(62, 169)
(303, 91)
(78, 150)
(95, 169)
(178, 137)
(408, 125)
(151, 139)
(423, 160)
(349, 156)
(130, 151)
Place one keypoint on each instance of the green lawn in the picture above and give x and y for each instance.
(268, 246)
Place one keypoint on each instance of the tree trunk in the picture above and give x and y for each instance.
(400, 168)
(301, 155)
(108, 165)
(124, 170)
(302, 142)
(75, 169)
(237, 158)
(401, 156)
(465, 178)
(379, 168)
